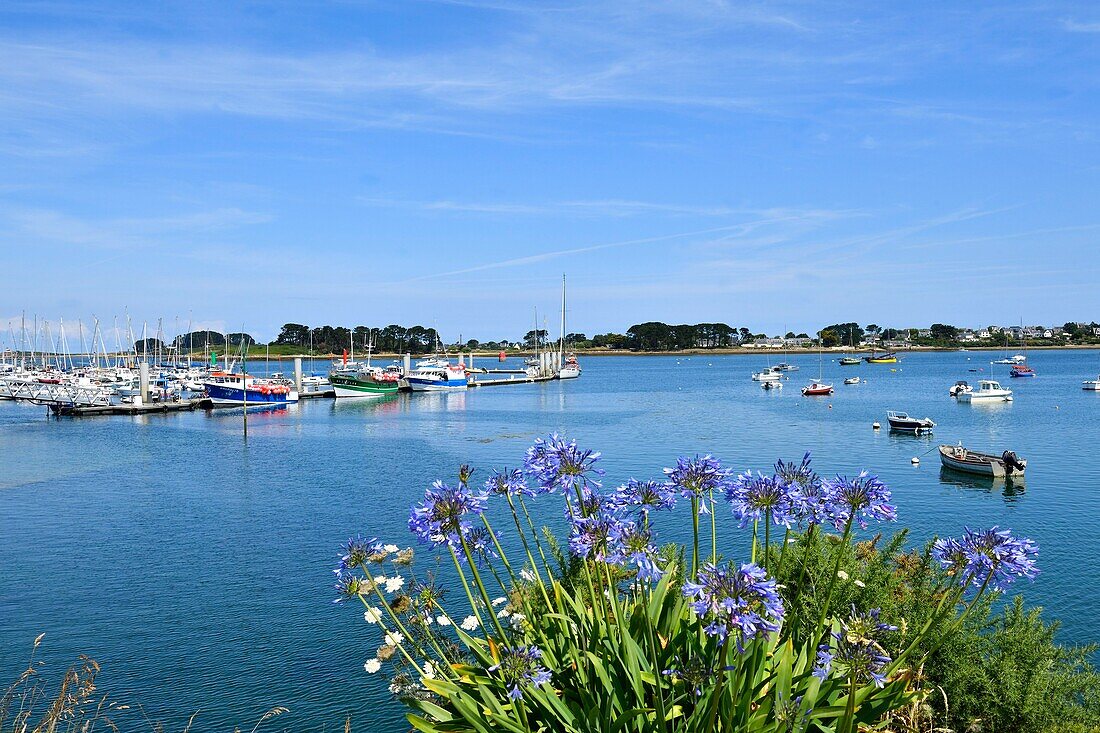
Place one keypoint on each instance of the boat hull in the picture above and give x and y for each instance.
(417, 384)
(223, 395)
(568, 372)
(911, 426)
(354, 387)
(1093, 386)
(979, 464)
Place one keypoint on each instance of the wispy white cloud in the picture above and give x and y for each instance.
(1076, 26)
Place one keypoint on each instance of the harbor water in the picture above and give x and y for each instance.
(195, 566)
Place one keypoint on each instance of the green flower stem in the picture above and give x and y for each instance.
(481, 587)
(530, 557)
(849, 707)
(469, 593)
(659, 696)
(500, 550)
(836, 569)
(767, 536)
(389, 609)
(713, 532)
(535, 536)
(755, 536)
(783, 552)
(399, 647)
(962, 617)
(695, 536)
(719, 688)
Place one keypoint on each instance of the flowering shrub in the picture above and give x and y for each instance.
(626, 637)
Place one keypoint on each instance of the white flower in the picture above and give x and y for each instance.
(380, 579)
(527, 575)
(470, 623)
(841, 574)
(860, 583)
(372, 615)
(394, 638)
(388, 549)
(428, 620)
(429, 671)
(504, 612)
(443, 621)
(517, 619)
(394, 584)
(372, 666)
(498, 601)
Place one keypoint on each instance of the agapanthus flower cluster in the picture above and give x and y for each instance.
(358, 551)
(644, 497)
(521, 665)
(443, 516)
(855, 651)
(696, 478)
(991, 557)
(481, 546)
(592, 526)
(508, 482)
(860, 499)
(350, 586)
(757, 497)
(632, 547)
(559, 464)
(740, 601)
(810, 503)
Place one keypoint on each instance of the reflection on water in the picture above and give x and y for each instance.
(1010, 488)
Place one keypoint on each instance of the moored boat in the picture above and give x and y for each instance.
(767, 375)
(772, 385)
(958, 458)
(901, 421)
(852, 380)
(365, 382)
(437, 379)
(959, 387)
(816, 389)
(1092, 384)
(1021, 370)
(238, 390)
(885, 358)
(850, 360)
(785, 367)
(987, 390)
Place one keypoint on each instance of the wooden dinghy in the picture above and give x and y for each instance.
(959, 458)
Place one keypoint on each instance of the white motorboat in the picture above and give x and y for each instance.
(768, 375)
(988, 390)
(958, 388)
(772, 385)
(1092, 385)
(901, 422)
(452, 377)
(852, 380)
(1011, 360)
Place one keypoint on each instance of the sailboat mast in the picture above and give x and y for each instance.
(561, 339)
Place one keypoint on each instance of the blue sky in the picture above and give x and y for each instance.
(779, 165)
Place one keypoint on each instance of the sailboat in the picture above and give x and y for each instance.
(569, 367)
(1020, 368)
(818, 386)
(851, 360)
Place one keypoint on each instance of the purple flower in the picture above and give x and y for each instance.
(509, 482)
(855, 651)
(521, 666)
(695, 478)
(592, 527)
(442, 517)
(349, 585)
(357, 551)
(632, 546)
(759, 497)
(644, 496)
(861, 499)
(992, 557)
(740, 600)
(555, 463)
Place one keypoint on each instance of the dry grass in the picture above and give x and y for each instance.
(29, 706)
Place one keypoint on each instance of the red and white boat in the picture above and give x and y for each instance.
(817, 388)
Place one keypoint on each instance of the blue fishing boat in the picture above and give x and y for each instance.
(237, 390)
(437, 379)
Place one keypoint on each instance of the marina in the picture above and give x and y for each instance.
(189, 474)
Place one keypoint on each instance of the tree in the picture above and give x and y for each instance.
(942, 332)
(829, 338)
(529, 338)
(848, 333)
(150, 345)
(649, 336)
(573, 338)
(293, 334)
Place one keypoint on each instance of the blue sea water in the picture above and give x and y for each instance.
(196, 566)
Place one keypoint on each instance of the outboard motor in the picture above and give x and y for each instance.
(1011, 461)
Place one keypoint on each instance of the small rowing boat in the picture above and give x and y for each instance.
(958, 458)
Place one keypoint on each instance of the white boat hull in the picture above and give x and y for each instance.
(1092, 386)
(569, 373)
